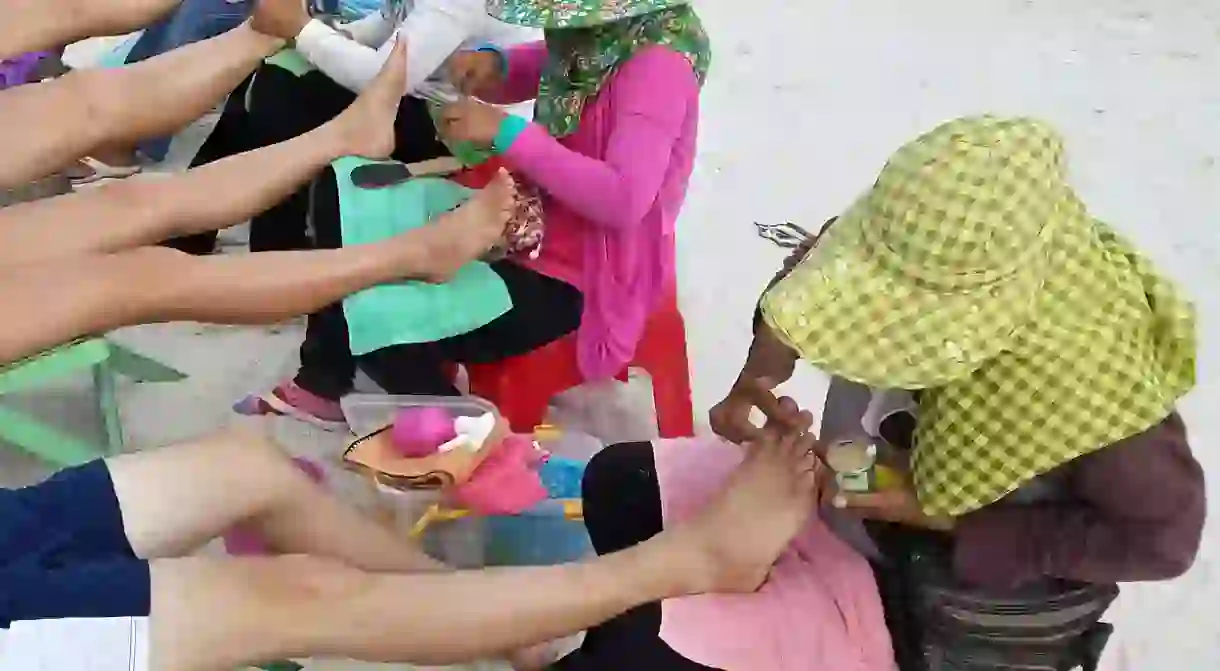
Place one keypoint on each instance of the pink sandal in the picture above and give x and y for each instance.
(290, 400)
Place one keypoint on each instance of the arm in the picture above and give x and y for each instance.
(51, 24)
(433, 31)
(371, 31)
(523, 71)
(1139, 516)
(109, 107)
(769, 357)
(653, 93)
(132, 213)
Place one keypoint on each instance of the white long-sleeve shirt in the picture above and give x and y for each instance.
(433, 30)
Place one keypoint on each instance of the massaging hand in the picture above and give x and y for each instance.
(730, 418)
(280, 18)
(471, 121)
(476, 73)
(896, 503)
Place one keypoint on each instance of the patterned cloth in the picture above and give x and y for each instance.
(573, 13)
(581, 61)
(972, 271)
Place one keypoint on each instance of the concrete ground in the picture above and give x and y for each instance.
(805, 102)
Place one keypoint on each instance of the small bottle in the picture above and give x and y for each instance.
(853, 462)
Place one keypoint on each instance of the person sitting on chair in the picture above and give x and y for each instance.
(299, 90)
(610, 153)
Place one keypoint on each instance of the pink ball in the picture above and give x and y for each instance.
(417, 432)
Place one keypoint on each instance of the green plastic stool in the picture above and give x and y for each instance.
(105, 359)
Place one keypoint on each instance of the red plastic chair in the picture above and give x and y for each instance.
(523, 386)
(477, 176)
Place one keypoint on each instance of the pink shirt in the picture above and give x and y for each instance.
(611, 192)
(819, 608)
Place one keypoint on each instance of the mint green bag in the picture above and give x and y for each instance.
(292, 61)
(411, 312)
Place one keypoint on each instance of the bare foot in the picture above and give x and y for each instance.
(456, 238)
(366, 127)
(765, 503)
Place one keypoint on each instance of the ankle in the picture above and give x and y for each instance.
(660, 568)
(416, 254)
(332, 139)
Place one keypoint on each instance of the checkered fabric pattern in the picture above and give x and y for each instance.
(971, 271)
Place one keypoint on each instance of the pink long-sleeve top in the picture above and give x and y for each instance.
(611, 192)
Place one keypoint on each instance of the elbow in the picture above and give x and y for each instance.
(610, 220)
(1168, 549)
(618, 213)
(1171, 553)
(1167, 563)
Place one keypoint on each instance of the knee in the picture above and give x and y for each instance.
(617, 470)
(257, 460)
(622, 500)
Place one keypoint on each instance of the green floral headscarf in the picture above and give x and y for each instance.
(581, 60)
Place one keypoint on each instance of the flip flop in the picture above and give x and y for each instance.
(101, 171)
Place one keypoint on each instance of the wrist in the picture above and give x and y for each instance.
(511, 128)
(307, 29)
(769, 357)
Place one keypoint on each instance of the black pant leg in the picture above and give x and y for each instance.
(622, 505)
(415, 133)
(284, 106)
(328, 368)
(544, 309)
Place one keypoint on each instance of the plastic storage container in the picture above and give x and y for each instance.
(367, 413)
(542, 535)
(459, 543)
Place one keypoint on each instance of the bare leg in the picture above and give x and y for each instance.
(176, 499)
(50, 24)
(146, 211)
(93, 294)
(88, 109)
(220, 614)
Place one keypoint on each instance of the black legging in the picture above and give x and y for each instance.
(283, 106)
(622, 504)
(544, 309)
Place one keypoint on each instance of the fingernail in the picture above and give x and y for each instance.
(839, 502)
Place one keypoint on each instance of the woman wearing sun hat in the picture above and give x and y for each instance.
(1045, 356)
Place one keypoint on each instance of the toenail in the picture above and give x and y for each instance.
(839, 502)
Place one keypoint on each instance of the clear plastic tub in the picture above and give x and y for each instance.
(367, 413)
(459, 543)
(569, 444)
(541, 535)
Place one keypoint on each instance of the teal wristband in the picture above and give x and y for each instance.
(511, 127)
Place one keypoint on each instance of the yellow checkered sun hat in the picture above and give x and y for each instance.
(970, 270)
